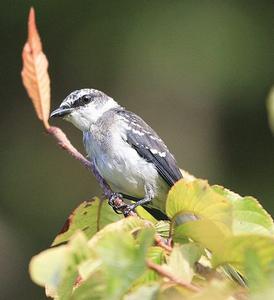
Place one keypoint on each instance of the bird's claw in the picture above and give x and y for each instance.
(112, 202)
(128, 209)
(112, 199)
(124, 209)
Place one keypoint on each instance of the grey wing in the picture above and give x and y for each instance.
(148, 144)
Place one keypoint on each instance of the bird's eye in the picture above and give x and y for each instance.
(86, 99)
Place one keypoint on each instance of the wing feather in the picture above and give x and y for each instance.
(149, 145)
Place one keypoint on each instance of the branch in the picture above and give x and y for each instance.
(161, 243)
(164, 273)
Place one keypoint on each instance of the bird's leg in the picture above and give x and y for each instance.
(135, 199)
(147, 199)
(131, 207)
(117, 204)
(114, 200)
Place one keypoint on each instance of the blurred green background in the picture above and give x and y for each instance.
(197, 71)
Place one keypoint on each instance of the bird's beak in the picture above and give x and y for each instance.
(60, 112)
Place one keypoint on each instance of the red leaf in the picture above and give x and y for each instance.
(35, 72)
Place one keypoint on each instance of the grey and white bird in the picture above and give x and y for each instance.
(127, 152)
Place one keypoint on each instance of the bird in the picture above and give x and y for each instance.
(126, 151)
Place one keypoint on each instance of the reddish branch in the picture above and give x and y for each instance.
(161, 243)
(164, 273)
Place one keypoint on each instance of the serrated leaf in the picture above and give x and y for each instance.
(90, 217)
(197, 198)
(247, 214)
(235, 248)
(35, 72)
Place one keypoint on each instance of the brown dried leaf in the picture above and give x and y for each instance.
(35, 72)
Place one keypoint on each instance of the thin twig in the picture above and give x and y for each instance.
(65, 144)
(160, 242)
(163, 272)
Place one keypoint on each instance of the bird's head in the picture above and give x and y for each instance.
(84, 107)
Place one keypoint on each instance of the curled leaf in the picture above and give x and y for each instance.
(35, 72)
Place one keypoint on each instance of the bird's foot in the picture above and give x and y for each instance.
(117, 204)
(128, 209)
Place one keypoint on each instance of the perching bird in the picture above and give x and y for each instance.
(127, 152)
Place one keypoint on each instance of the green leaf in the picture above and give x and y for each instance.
(265, 291)
(125, 225)
(235, 249)
(199, 199)
(115, 258)
(163, 228)
(147, 292)
(123, 260)
(156, 255)
(95, 288)
(256, 278)
(181, 260)
(56, 268)
(89, 267)
(144, 214)
(48, 267)
(248, 215)
(205, 232)
(90, 217)
(120, 250)
(219, 290)
(173, 292)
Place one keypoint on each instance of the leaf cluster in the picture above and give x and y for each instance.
(217, 245)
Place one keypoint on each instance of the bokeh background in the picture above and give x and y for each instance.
(198, 71)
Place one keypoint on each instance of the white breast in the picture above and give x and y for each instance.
(120, 164)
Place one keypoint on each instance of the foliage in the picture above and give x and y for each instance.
(130, 258)
(217, 244)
